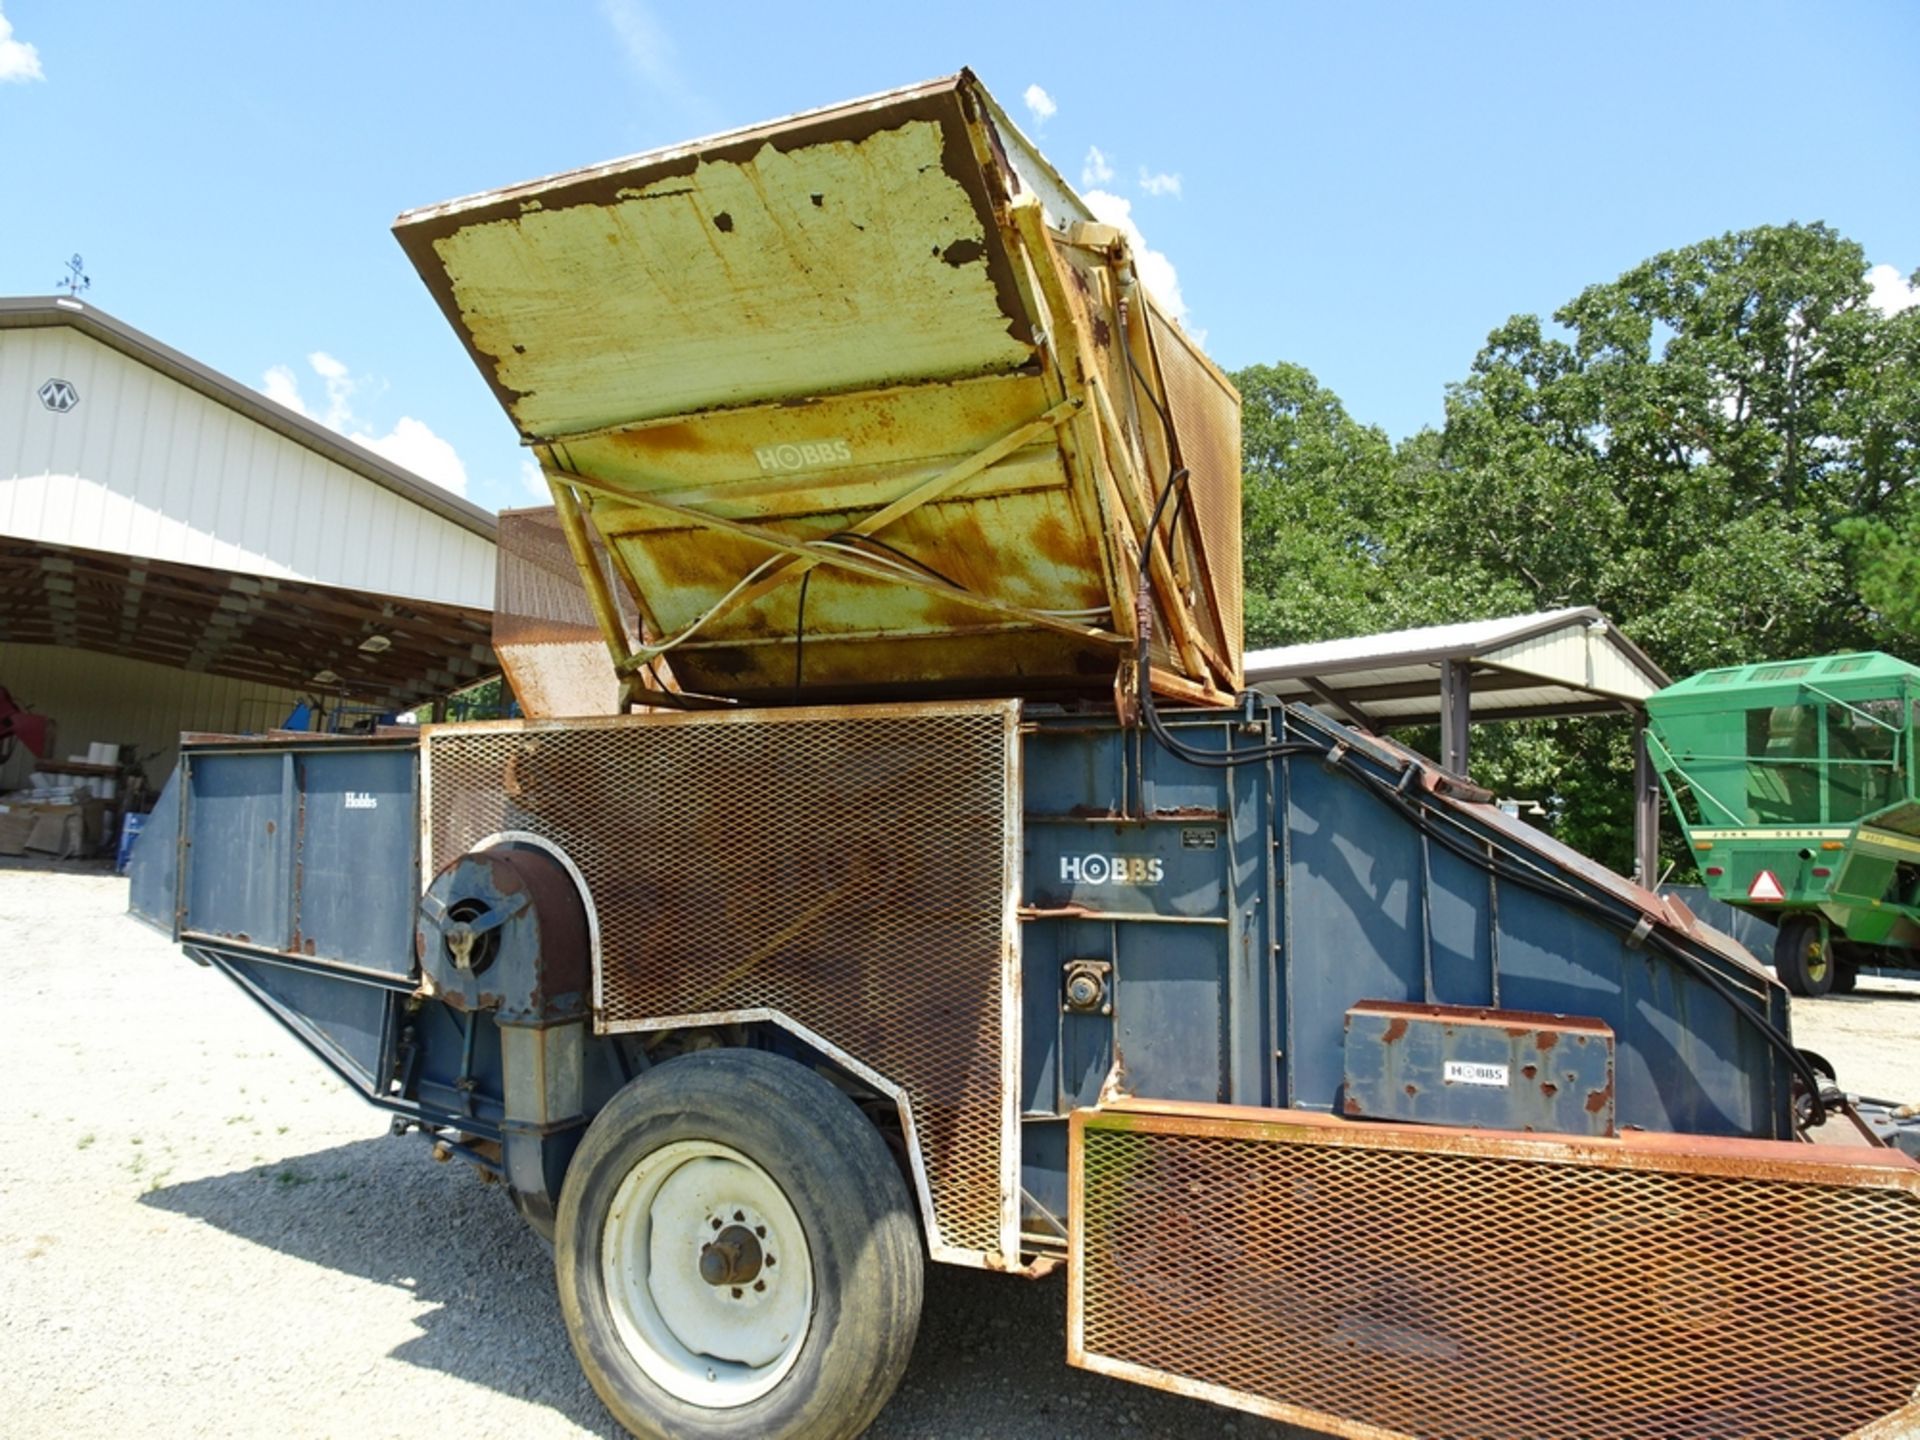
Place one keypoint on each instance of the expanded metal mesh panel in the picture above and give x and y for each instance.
(849, 869)
(1206, 416)
(1503, 1296)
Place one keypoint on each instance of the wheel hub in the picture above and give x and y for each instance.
(733, 1258)
(708, 1273)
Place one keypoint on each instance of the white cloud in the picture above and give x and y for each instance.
(534, 481)
(1095, 170)
(1156, 270)
(1040, 104)
(652, 55)
(411, 444)
(18, 60)
(283, 389)
(1891, 292)
(340, 388)
(1159, 184)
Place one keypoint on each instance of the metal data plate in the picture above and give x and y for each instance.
(1487, 1069)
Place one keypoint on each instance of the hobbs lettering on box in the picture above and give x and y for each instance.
(1112, 869)
(774, 458)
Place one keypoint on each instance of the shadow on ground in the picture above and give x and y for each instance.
(989, 1361)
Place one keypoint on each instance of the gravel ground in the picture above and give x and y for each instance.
(203, 1233)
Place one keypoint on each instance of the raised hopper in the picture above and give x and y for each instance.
(861, 403)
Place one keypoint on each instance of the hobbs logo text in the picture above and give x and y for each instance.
(362, 800)
(775, 458)
(1112, 869)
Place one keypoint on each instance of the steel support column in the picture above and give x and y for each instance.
(1646, 807)
(1456, 714)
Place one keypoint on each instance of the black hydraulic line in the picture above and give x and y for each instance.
(799, 633)
(895, 550)
(1515, 870)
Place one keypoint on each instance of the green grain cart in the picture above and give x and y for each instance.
(1794, 781)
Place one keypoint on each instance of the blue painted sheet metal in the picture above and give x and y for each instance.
(1481, 1068)
(357, 868)
(153, 871)
(299, 848)
(1234, 966)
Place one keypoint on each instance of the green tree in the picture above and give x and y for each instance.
(1719, 449)
(1693, 451)
(1317, 501)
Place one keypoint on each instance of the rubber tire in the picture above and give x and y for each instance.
(836, 1171)
(1800, 941)
(1846, 977)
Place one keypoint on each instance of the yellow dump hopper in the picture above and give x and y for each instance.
(857, 404)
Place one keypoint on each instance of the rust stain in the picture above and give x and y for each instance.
(1530, 1071)
(1547, 1040)
(1412, 1090)
(1395, 1029)
(1549, 1089)
(1597, 1100)
(270, 827)
(1353, 1106)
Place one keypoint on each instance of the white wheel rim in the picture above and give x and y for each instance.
(713, 1345)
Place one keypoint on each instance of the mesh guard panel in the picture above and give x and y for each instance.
(850, 869)
(1401, 1281)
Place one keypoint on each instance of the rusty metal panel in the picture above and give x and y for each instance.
(544, 632)
(851, 870)
(1492, 1069)
(1206, 419)
(847, 397)
(1391, 1280)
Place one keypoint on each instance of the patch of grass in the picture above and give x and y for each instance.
(84, 1141)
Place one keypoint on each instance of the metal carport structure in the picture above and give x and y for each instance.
(1553, 663)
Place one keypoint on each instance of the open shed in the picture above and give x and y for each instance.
(1521, 667)
(178, 552)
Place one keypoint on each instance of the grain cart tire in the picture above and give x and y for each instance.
(737, 1254)
(1802, 957)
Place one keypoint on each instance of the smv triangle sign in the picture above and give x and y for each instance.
(1765, 887)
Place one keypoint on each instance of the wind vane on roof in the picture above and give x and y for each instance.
(76, 279)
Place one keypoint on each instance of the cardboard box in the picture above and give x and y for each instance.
(57, 830)
(16, 824)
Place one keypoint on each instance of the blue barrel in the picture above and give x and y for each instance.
(130, 829)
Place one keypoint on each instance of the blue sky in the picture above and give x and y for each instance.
(1364, 189)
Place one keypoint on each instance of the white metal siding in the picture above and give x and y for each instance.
(145, 466)
(108, 699)
(1577, 657)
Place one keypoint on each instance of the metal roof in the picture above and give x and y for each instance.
(39, 312)
(1556, 662)
(155, 509)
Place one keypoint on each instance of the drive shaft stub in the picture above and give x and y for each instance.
(731, 1258)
